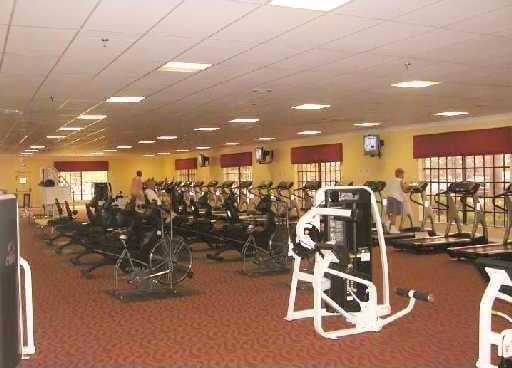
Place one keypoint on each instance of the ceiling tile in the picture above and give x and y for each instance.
(312, 59)
(383, 9)
(322, 30)
(378, 36)
(52, 13)
(497, 22)
(27, 64)
(449, 11)
(213, 51)
(256, 27)
(5, 11)
(38, 41)
(202, 18)
(137, 15)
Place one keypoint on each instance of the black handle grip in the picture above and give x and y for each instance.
(418, 295)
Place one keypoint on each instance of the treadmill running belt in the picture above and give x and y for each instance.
(434, 244)
(480, 251)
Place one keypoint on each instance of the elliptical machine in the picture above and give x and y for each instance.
(342, 250)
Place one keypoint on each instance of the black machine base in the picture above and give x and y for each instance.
(131, 295)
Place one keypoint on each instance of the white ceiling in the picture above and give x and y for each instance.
(54, 66)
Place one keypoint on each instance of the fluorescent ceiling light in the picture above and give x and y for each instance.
(206, 129)
(109, 150)
(23, 139)
(55, 136)
(124, 147)
(31, 150)
(163, 153)
(37, 147)
(91, 117)
(167, 137)
(26, 153)
(182, 150)
(367, 124)
(266, 138)
(322, 5)
(181, 67)
(231, 144)
(451, 113)
(97, 153)
(414, 84)
(146, 142)
(245, 120)
(309, 132)
(202, 147)
(149, 155)
(70, 128)
(75, 140)
(310, 106)
(125, 99)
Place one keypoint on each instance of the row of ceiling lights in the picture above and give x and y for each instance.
(185, 67)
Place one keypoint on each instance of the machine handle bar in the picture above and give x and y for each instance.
(418, 295)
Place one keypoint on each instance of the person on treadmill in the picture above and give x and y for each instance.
(395, 200)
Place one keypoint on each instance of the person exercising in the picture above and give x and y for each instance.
(395, 200)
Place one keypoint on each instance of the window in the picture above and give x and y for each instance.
(328, 173)
(238, 174)
(186, 174)
(82, 182)
(491, 171)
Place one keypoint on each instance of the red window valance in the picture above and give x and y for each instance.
(468, 142)
(236, 159)
(319, 153)
(185, 163)
(81, 165)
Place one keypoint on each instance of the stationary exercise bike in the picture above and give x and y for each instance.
(336, 233)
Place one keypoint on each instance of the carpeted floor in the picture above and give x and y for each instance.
(238, 321)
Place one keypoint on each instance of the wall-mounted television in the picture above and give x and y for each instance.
(372, 145)
(263, 156)
(203, 160)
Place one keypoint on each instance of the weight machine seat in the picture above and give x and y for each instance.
(499, 264)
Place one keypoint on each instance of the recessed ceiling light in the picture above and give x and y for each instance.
(149, 155)
(266, 138)
(125, 99)
(181, 67)
(75, 140)
(309, 132)
(167, 137)
(55, 136)
(23, 139)
(322, 5)
(414, 84)
(206, 129)
(451, 113)
(31, 150)
(202, 147)
(146, 142)
(231, 144)
(245, 120)
(97, 153)
(163, 153)
(26, 153)
(367, 124)
(109, 150)
(310, 106)
(91, 117)
(37, 147)
(182, 150)
(70, 128)
(124, 147)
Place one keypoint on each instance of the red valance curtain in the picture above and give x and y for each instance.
(236, 159)
(81, 165)
(185, 163)
(319, 153)
(469, 142)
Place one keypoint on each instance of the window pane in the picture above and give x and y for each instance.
(88, 180)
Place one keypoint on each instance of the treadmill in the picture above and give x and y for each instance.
(501, 250)
(465, 189)
(377, 187)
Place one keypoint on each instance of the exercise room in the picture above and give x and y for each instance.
(255, 183)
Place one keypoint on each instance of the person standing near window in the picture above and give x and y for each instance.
(136, 188)
(395, 200)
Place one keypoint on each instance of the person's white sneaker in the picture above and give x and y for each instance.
(393, 230)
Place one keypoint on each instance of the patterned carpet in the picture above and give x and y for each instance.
(234, 320)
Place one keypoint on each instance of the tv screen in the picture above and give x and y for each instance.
(371, 145)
